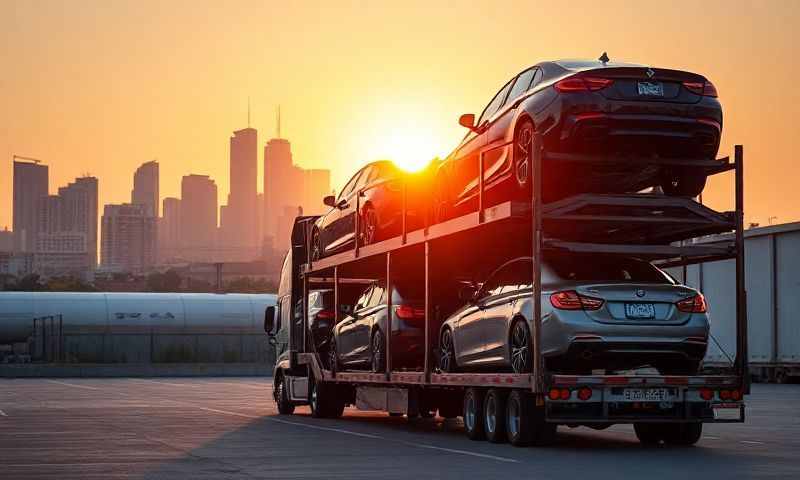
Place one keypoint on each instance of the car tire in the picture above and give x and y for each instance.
(378, 352)
(523, 152)
(682, 434)
(368, 225)
(519, 347)
(473, 414)
(316, 245)
(649, 433)
(685, 183)
(285, 406)
(447, 352)
(494, 415)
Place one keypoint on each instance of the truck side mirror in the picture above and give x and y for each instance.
(329, 200)
(269, 320)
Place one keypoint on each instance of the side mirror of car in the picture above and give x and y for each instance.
(329, 200)
(468, 121)
(269, 320)
(467, 293)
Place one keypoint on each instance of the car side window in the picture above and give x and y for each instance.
(522, 84)
(348, 188)
(496, 103)
(378, 293)
(536, 78)
(363, 300)
(491, 285)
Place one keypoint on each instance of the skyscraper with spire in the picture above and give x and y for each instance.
(240, 227)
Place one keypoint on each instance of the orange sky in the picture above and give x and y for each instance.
(103, 86)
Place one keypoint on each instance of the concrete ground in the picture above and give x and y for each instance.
(227, 428)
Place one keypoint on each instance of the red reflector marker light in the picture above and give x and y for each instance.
(572, 300)
(582, 84)
(706, 394)
(553, 394)
(325, 314)
(725, 394)
(564, 394)
(585, 393)
(736, 395)
(695, 304)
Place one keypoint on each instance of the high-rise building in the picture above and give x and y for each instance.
(145, 187)
(128, 238)
(169, 229)
(6, 240)
(30, 186)
(198, 219)
(281, 185)
(66, 242)
(240, 217)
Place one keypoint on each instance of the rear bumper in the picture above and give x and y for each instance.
(616, 355)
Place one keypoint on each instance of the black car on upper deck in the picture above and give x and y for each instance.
(620, 110)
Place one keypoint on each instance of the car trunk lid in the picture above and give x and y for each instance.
(647, 84)
(638, 303)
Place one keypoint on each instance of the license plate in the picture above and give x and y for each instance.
(645, 394)
(727, 412)
(640, 310)
(651, 89)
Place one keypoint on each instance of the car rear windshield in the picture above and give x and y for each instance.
(603, 268)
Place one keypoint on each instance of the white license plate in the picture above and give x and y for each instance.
(645, 394)
(640, 310)
(651, 89)
(727, 413)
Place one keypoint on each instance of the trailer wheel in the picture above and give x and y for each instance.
(684, 434)
(473, 414)
(518, 420)
(494, 415)
(323, 401)
(649, 433)
(285, 406)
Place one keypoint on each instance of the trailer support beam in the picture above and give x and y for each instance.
(741, 292)
(389, 287)
(535, 177)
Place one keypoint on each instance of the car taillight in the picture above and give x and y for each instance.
(572, 300)
(407, 312)
(695, 304)
(706, 89)
(582, 84)
(325, 314)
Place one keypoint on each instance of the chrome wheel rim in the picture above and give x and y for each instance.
(314, 397)
(491, 414)
(522, 155)
(377, 351)
(446, 355)
(316, 247)
(520, 348)
(469, 413)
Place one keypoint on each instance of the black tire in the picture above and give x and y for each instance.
(377, 352)
(333, 355)
(519, 347)
(494, 416)
(285, 406)
(523, 152)
(518, 420)
(682, 434)
(316, 399)
(684, 183)
(447, 352)
(316, 245)
(473, 414)
(649, 433)
(368, 226)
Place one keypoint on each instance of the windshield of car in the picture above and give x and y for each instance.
(604, 268)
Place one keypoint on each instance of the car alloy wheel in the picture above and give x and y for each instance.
(447, 355)
(316, 246)
(378, 360)
(523, 152)
(520, 348)
(369, 225)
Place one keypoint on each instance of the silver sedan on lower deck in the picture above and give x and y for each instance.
(598, 312)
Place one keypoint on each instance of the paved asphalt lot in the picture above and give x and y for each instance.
(227, 428)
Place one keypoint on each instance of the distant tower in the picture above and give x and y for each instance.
(30, 186)
(145, 187)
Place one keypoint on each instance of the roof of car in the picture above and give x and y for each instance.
(583, 64)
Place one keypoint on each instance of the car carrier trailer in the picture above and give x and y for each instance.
(522, 408)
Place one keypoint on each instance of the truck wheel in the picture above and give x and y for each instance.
(473, 414)
(285, 406)
(494, 416)
(518, 420)
(649, 433)
(378, 358)
(683, 434)
(323, 403)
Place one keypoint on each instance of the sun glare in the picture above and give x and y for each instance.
(408, 149)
